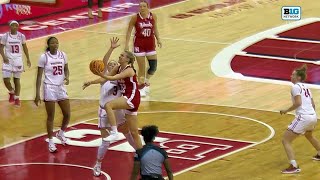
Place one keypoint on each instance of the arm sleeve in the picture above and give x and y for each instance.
(296, 90)
(65, 58)
(42, 61)
(24, 40)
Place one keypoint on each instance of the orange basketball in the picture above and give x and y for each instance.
(96, 65)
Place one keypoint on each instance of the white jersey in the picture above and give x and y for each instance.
(53, 67)
(13, 44)
(306, 107)
(108, 92)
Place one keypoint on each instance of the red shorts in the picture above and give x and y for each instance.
(144, 46)
(133, 100)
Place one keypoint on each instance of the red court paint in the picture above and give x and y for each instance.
(272, 68)
(282, 48)
(269, 63)
(77, 18)
(308, 31)
(185, 151)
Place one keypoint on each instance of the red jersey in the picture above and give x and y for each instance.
(128, 85)
(144, 26)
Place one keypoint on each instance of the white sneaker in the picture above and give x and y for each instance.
(114, 136)
(147, 89)
(143, 92)
(62, 138)
(52, 147)
(97, 170)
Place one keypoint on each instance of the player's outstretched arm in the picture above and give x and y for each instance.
(96, 81)
(126, 73)
(113, 44)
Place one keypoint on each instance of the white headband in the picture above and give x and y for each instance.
(13, 22)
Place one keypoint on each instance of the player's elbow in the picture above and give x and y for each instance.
(298, 104)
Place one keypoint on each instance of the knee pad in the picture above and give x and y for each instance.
(152, 66)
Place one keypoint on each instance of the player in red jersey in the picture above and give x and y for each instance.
(145, 24)
(130, 99)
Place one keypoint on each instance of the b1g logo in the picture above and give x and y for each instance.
(185, 152)
(291, 13)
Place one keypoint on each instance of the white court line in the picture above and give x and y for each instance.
(272, 133)
(220, 64)
(56, 164)
(42, 134)
(90, 25)
(189, 102)
(279, 58)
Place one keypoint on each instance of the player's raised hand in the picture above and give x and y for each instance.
(114, 42)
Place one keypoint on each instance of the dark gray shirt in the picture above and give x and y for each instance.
(151, 158)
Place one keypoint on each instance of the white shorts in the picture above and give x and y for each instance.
(14, 67)
(103, 119)
(303, 123)
(54, 92)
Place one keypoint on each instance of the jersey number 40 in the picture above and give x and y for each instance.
(146, 32)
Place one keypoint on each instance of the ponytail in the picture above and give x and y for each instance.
(131, 58)
(302, 72)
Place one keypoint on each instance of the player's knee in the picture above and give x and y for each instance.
(108, 105)
(134, 132)
(152, 66)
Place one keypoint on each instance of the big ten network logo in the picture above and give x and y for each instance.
(184, 150)
(291, 13)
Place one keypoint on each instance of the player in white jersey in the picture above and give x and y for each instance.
(53, 63)
(109, 91)
(11, 46)
(305, 119)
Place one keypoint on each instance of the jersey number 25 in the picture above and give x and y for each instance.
(57, 70)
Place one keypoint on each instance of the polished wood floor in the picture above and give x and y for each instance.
(184, 75)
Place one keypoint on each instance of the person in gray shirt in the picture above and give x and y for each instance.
(150, 158)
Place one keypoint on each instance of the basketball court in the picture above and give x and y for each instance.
(223, 76)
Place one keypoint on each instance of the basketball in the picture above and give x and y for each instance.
(96, 65)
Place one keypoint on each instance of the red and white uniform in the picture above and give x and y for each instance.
(130, 91)
(53, 85)
(13, 50)
(306, 117)
(144, 40)
(108, 92)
